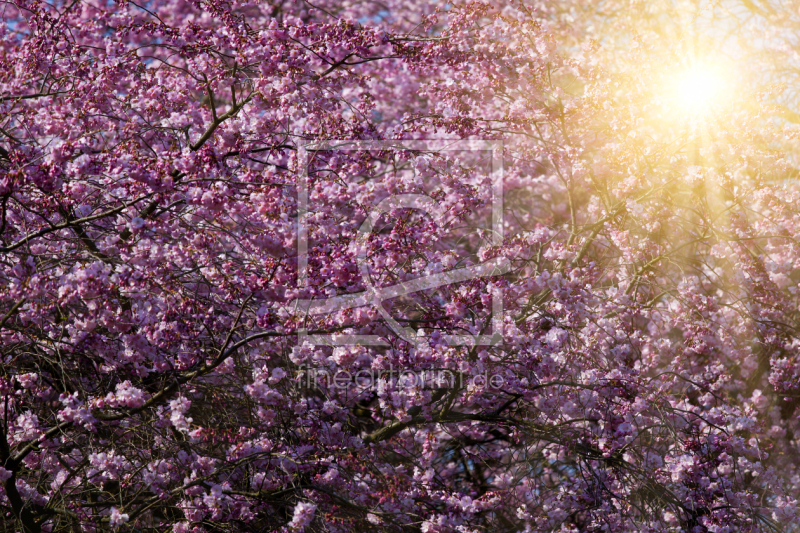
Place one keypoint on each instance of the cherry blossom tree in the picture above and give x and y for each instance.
(156, 374)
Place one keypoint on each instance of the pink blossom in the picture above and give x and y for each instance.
(178, 408)
(117, 518)
(302, 516)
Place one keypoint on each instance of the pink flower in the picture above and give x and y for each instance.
(178, 409)
(277, 375)
(28, 380)
(129, 396)
(136, 223)
(303, 515)
(556, 337)
(117, 518)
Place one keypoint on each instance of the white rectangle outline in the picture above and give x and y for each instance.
(496, 148)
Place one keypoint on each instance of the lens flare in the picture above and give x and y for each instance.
(699, 90)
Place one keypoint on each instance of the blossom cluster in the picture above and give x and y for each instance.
(156, 374)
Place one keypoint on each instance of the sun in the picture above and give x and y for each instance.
(699, 90)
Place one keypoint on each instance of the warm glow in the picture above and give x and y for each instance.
(699, 90)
